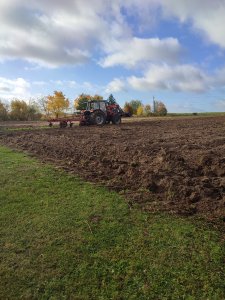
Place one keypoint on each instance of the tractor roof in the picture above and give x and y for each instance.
(97, 100)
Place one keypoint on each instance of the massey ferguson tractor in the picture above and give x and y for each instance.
(96, 113)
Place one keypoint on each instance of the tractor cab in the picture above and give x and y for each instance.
(96, 105)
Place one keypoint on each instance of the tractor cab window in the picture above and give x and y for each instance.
(94, 105)
(102, 106)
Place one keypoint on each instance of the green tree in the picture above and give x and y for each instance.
(3, 111)
(111, 99)
(57, 103)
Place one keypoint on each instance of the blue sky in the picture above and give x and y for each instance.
(171, 49)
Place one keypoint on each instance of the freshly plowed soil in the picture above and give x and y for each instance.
(173, 165)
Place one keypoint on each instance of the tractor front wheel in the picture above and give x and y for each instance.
(98, 118)
(116, 119)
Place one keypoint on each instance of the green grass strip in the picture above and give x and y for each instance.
(62, 238)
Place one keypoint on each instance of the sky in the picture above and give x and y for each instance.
(173, 50)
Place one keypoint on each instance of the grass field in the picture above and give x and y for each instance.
(62, 238)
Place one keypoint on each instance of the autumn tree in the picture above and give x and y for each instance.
(80, 102)
(140, 111)
(128, 108)
(135, 104)
(161, 108)
(111, 99)
(96, 97)
(18, 110)
(3, 111)
(57, 103)
(147, 110)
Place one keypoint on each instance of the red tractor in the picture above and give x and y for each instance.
(96, 113)
(100, 113)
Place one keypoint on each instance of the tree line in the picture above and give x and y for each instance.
(57, 104)
(19, 110)
(136, 107)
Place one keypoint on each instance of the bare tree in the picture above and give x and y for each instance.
(43, 105)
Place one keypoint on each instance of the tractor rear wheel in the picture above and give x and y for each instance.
(116, 119)
(98, 118)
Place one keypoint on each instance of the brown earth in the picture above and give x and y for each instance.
(22, 124)
(173, 165)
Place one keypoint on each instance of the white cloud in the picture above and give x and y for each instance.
(174, 78)
(14, 88)
(184, 78)
(206, 16)
(54, 33)
(116, 85)
(49, 35)
(135, 51)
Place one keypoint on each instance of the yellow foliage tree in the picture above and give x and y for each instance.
(19, 110)
(97, 97)
(57, 104)
(80, 101)
(140, 110)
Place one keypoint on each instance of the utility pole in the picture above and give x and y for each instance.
(154, 108)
